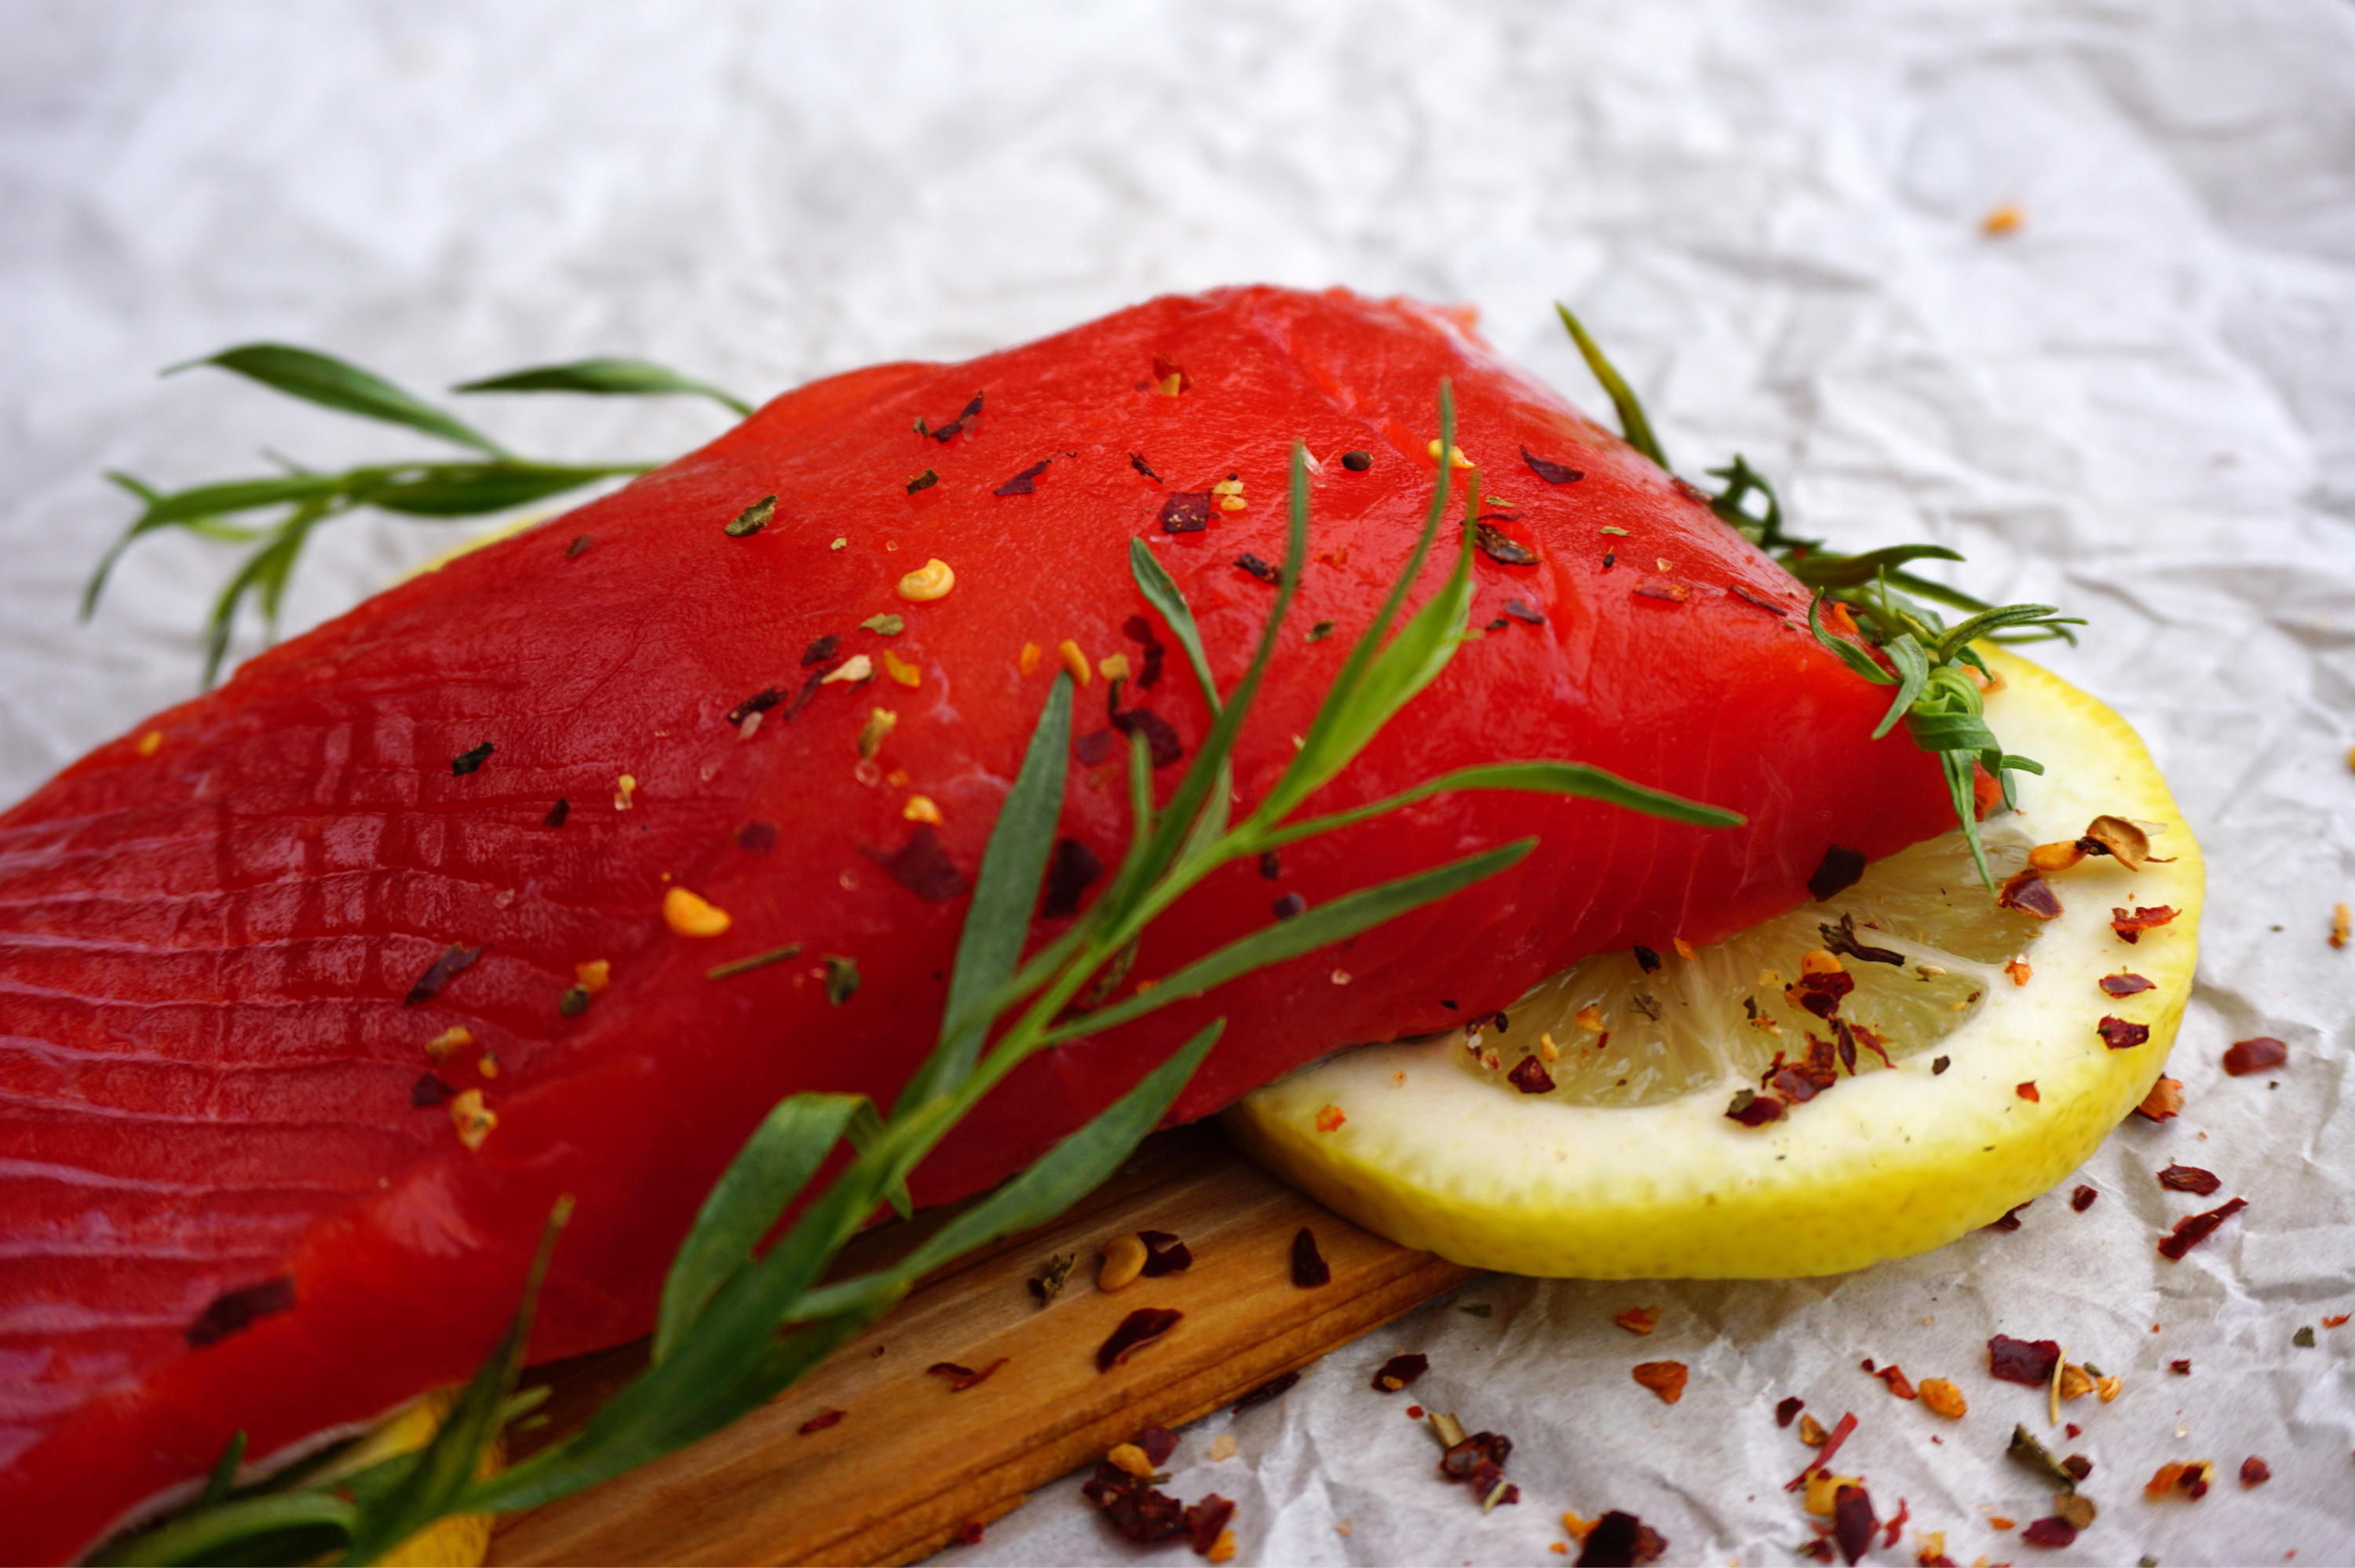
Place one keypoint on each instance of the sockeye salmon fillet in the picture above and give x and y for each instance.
(233, 1191)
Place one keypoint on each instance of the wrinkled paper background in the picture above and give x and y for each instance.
(2141, 406)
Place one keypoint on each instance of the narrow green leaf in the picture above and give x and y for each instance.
(1320, 926)
(445, 1468)
(469, 490)
(1636, 429)
(224, 1476)
(775, 1163)
(263, 576)
(1541, 777)
(1162, 593)
(214, 1534)
(624, 377)
(1913, 674)
(1835, 571)
(1005, 896)
(1855, 658)
(866, 1134)
(1924, 588)
(1978, 626)
(323, 379)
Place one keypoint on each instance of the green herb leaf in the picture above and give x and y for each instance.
(625, 377)
(1833, 571)
(866, 1133)
(469, 490)
(885, 625)
(224, 1476)
(1636, 429)
(1161, 592)
(322, 378)
(211, 1534)
(775, 1163)
(1542, 778)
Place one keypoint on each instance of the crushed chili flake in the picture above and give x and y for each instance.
(1309, 1269)
(1138, 1330)
(1500, 547)
(1811, 1432)
(1894, 1376)
(962, 1378)
(1661, 589)
(2119, 985)
(1093, 747)
(922, 865)
(2029, 1362)
(757, 838)
(452, 961)
(1551, 473)
(1164, 1254)
(1480, 1459)
(2190, 1179)
(1400, 1371)
(430, 1092)
(1161, 740)
(760, 701)
(2120, 1035)
(1529, 1076)
(1271, 575)
(1184, 512)
(816, 654)
(1788, 1409)
(752, 519)
(2181, 1368)
(2191, 1478)
(1754, 1109)
(969, 1533)
(1133, 1507)
(2194, 1229)
(1273, 1389)
(2017, 968)
(1070, 870)
(1329, 1118)
(2335, 1321)
(951, 430)
(2026, 1091)
(2261, 1054)
(1025, 482)
(2028, 892)
(1643, 1321)
(2164, 1102)
(1620, 1540)
(1666, 1379)
(2082, 1198)
(2079, 1468)
(1206, 1521)
(2051, 1531)
(821, 1420)
(1853, 1521)
(1821, 993)
(2130, 926)
(2255, 1472)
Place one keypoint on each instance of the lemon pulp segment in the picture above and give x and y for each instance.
(1629, 1167)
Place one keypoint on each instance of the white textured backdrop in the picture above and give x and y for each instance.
(2141, 405)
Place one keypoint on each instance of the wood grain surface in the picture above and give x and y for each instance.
(910, 1462)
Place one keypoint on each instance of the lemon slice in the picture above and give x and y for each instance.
(1999, 1081)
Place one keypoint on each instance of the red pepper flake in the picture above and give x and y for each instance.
(2191, 1478)
(2082, 1199)
(2181, 1368)
(1207, 1520)
(1500, 547)
(1273, 1389)
(1093, 747)
(757, 838)
(2261, 1054)
(1070, 871)
(1788, 1410)
(1853, 1523)
(923, 866)
(1666, 1379)
(1551, 473)
(760, 702)
(969, 1533)
(962, 1378)
(1309, 1269)
(452, 961)
(2120, 1035)
(1841, 1430)
(1164, 1254)
(1329, 1118)
(2028, 892)
(1025, 482)
(821, 1420)
(1896, 1523)
(1185, 512)
(1400, 1371)
(2194, 1229)
(1141, 631)
(1621, 1541)
(1160, 739)
(2190, 1179)
(2164, 1102)
(1479, 1459)
(2027, 1362)
(956, 426)
(1769, 606)
(816, 654)
(557, 813)
(2334, 1322)
(2026, 1091)
(2130, 927)
(2123, 985)
(2051, 1531)
(430, 1090)
(1529, 1076)
(1661, 589)
(2255, 1472)
(1642, 1321)
(234, 1311)
(1272, 576)
(1821, 992)
(1754, 1109)
(2009, 1220)
(1136, 461)
(1136, 1330)
(1133, 1507)
(1414, 1413)
(1894, 1376)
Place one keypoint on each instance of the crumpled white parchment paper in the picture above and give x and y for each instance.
(2141, 406)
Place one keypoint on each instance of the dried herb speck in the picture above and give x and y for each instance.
(466, 761)
(1027, 481)
(438, 974)
(817, 652)
(760, 702)
(1272, 576)
(557, 813)
(1502, 547)
(1320, 631)
(885, 625)
(1522, 611)
(1049, 1283)
(1289, 906)
(1551, 473)
(756, 961)
(752, 519)
(923, 481)
(1136, 461)
(234, 1311)
(577, 548)
(841, 978)
(429, 1091)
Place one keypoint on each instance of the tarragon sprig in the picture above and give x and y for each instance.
(736, 1325)
(1941, 705)
(491, 480)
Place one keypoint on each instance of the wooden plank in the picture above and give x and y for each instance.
(910, 1462)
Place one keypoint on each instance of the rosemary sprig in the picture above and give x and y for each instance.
(494, 479)
(735, 1328)
(1940, 703)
